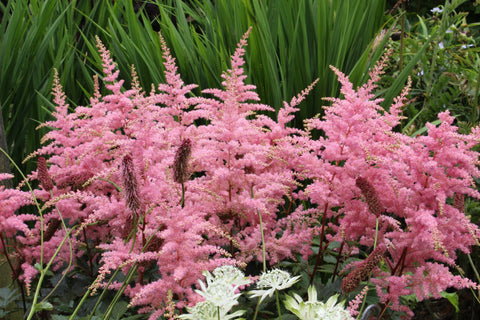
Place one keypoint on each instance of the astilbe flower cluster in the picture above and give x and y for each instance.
(179, 184)
(146, 185)
(364, 170)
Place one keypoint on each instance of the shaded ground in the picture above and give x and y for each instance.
(442, 309)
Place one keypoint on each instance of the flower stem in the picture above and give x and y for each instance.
(264, 255)
(263, 243)
(376, 235)
(182, 202)
(43, 272)
(278, 305)
(256, 310)
(320, 247)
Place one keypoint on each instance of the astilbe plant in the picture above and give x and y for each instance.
(174, 185)
(364, 171)
(147, 186)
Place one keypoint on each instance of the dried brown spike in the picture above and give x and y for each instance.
(373, 260)
(53, 225)
(74, 180)
(43, 175)
(180, 164)
(154, 245)
(370, 195)
(352, 281)
(459, 202)
(363, 270)
(130, 184)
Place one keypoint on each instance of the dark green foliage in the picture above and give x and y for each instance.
(292, 43)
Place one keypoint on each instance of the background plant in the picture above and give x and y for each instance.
(292, 44)
(446, 75)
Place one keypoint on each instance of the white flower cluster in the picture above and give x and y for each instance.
(271, 281)
(221, 293)
(316, 310)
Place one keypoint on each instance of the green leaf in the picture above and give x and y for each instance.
(7, 296)
(453, 298)
(44, 305)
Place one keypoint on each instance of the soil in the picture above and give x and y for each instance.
(442, 309)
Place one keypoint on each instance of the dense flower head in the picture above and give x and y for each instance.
(220, 294)
(272, 281)
(313, 309)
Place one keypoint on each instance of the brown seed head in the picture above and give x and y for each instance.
(53, 225)
(180, 164)
(352, 281)
(363, 270)
(370, 195)
(43, 175)
(74, 180)
(459, 202)
(130, 184)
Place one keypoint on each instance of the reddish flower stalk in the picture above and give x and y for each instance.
(370, 195)
(43, 175)
(180, 164)
(130, 184)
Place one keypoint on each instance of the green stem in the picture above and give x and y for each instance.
(473, 267)
(363, 306)
(182, 202)
(376, 235)
(264, 255)
(112, 304)
(278, 305)
(43, 272)
(98, 300)
(71, 253)
(72, 316)
(256, 310)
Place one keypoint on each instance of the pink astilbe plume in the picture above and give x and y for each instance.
(147, 186)
(245, 175)
(111, 164)
(363, 170)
